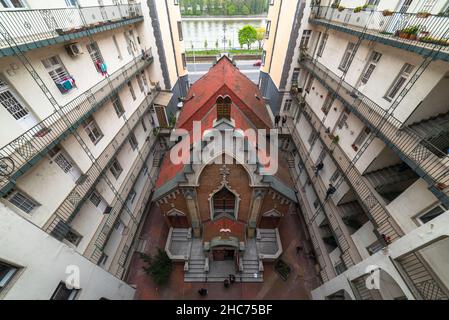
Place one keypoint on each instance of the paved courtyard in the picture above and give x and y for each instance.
(300, 281)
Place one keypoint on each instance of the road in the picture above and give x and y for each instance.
(197, 70)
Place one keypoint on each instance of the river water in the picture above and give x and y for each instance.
(197, 30)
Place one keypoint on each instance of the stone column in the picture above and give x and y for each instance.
(190, 196)
(256, 204)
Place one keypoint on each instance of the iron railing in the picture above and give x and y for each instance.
(28, 148)
(405, 28)
(34, 25)
(379, 216)
(77, 196)
(431, 163)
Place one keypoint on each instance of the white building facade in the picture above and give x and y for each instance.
(84, 88)
(364, 87)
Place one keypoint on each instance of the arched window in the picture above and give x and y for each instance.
(224, 108)
(224, 203)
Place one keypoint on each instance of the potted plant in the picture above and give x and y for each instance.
(354, 147)
(341, 8)
(413, 32)
(358, 9)
(387, 13)
(423, 14)
(335, 5)
(404, 33)
(336, 139)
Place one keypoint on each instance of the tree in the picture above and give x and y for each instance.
(231, 9)
(159, 267)
(260, 36)
(247, 36)
(245, 10)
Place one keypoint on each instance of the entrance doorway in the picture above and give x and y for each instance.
(222, 254)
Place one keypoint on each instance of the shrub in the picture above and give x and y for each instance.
(159, 267)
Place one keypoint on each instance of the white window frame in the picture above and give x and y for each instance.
(115, 168)
(322, 45)
(95, 54)
(73, 292)
(305, 39)
(117, 105)
(370, 67)
(93, 131)
(11, 102)
(399, 81)
(349, 53)
(131, 90)
(23, 202)
(133, 141)
(9, 275)
(267, 29)
(7, 4)
(95, 198)
(56, 69)
(420, 215)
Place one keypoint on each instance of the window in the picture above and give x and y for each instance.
(13, 3)
(93, 131)
(375, 57)
(129, 43)
(95, 198)
(119, 53)
(312, 138)
(59, 74)
(184, 61)
(118, 106)
(144, 126)
(176, 2)
(131, 90)
(428, 5)
(327, 103)
(339, 267)
(362, 137)
(335, 176)
(144, 79)
(7, 272)
(116, 169)
(224, 108)
(63, 293)
(347, 56)
(306, 34)
(95, 55)
(287, 104)
(179, 23)
(132, 196)
(22, 201)
(267, 32)
(73, 237)
(343, 121)
(133, 141)
(223, 203)
(11, 103)
(309, 83)
(102, 261)
(295, 75)
(431, 214)
(264, 56)
(70, 3)
(140, 82)
(400, 80)
(322, 44)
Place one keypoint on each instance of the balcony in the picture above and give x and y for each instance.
(378, 214)
(426, 159)
(22, 153)
(25, 30)
(70, 206)
(424, 34)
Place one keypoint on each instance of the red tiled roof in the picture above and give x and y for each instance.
(224, 79)
(247, 111)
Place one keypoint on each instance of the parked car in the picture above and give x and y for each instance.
(258, 63)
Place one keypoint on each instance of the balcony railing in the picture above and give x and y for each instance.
(431, 163)
(403, 28)
(379, 216)
(77, 196)
(24, 27)
(23, 152)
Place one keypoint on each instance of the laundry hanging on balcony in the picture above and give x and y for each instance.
(66, 84)
(101, 67)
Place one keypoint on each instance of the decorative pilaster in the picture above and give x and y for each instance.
(190, 196)
(256, 204)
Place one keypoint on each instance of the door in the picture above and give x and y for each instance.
(14, 105)
(178, 221)
(67, 166)
(161, 116)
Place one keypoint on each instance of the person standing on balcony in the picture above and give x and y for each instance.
(284, 120)
(276, 120)
(318, 168)
(330, 191)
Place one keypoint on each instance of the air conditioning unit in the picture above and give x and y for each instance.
(74, 49)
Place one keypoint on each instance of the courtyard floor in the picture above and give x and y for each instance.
(301, 280)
